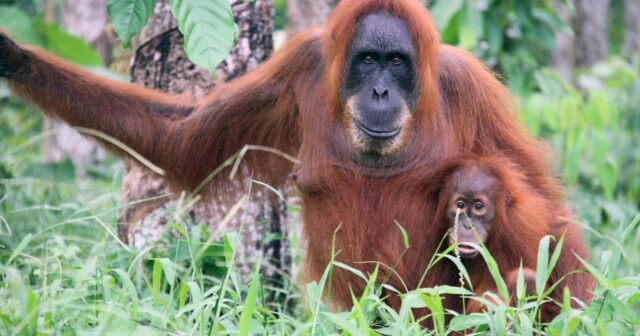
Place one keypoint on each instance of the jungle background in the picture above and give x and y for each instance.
(90, 244)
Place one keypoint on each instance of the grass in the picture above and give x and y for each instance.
(63, 271)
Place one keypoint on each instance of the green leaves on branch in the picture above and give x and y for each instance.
(208, 28)
(128, 17)
(48, 36)
(207, 25)
(19, 25)
(443, 11)
(67, 46)
(513, 37)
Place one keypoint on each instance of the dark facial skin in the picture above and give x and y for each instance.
(380, 77)
(474, 193)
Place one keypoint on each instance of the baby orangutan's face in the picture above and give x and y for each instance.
(471, 193)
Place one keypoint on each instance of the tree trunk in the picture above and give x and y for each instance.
(49, 11)
(49, 16)
(302, 14)
(87, 19)
(161, 63)
(632, 24)
(562, 58)
(590, 27)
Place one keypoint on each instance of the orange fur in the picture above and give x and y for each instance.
(522, 219)
(291, 103)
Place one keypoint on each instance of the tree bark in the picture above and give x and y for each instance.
(632, 24)
(161, 63)
(590, 27)
(87, 19)
(49, 16)
(302, 14)
(562, 58)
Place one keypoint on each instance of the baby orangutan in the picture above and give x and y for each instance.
(492, 204)
(473, 195)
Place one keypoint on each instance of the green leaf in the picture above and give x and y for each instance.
(156, 279)
(130, 288)
(21, 246)
(32, 309)
(63, 171)
(18, 24)
(520, 285)
(128, 17)
(525, 325)
(350, 269)
(573, 321)
(472, 31)
(555, 256)
(405, 236)
(347, 325)
(574, 155)
(605, 169)
(168, 270)
(566, 299)
(628, 231)
(595, 272)
(464, 322)
(67, 46)
(494, 270)
(189, 288)
(250, 303)
(434, 304)
(443, 11)
(48, 36)
(358, 314)
(208, 28)
(445, 289)
(542, 269)
(230, 244)
(463, 270)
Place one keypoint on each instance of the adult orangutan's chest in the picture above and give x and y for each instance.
(366, 217)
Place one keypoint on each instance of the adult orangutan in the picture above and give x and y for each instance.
(362, 103)
(485, 200)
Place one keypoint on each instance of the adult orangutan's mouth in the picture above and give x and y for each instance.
(379, 134)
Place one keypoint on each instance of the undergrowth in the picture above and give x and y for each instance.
(64, 272)
(68, 274)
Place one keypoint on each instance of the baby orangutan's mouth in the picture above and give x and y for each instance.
(466, 251)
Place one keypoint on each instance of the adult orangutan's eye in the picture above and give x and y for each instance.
(368, 59)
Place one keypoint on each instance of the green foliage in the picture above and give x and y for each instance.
(62, 270)
(207, 25)
(49, 36)
(616, 32)
(208, 28)
(514, 37)
(66, 46)
(72, 282)
(279, 20)
(594, 128)
(20, 25)
(128, 17)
